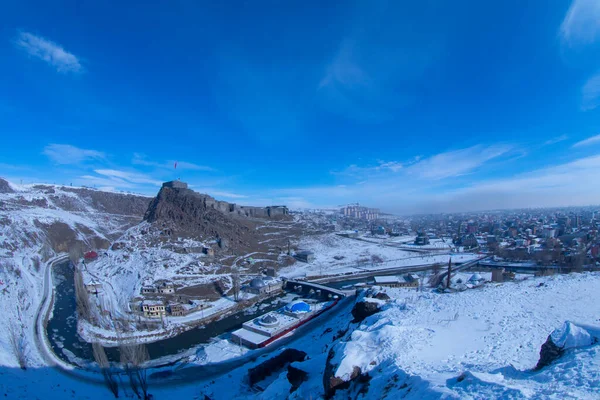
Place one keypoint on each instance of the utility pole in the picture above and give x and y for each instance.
(449, 273)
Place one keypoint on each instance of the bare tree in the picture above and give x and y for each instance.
(421, 287)
(133, 359)
(107, 372)
(235, 279)
(17, 341)
(81, 296)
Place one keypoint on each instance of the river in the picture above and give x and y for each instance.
(69, 346)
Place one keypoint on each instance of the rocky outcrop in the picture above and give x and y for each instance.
(568, 336)
(261, 371)
(333, 383)
(181, 211)
(364, 309)
(549, 353)
(5, 187)
(295, 377)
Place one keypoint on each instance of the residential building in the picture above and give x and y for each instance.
(153, 308)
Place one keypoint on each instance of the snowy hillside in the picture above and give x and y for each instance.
(36, 223)
(478, 344)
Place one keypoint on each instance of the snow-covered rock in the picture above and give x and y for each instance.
(568, 336)
(572, 335)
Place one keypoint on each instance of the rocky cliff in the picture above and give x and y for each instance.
(180, 211)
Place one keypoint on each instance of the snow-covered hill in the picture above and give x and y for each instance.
(36, 223)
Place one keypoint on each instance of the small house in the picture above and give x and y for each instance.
(304, 256)
(153, 308)
(422, 239)
(90, 256)
(166, 288)
(93, 286)
(148, 289)
(176, 309)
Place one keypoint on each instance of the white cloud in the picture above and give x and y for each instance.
(589, 141)
(132, 177)
(344, 70)
(561, 185)
(91, 180)
(591, 93)
(218, 193)
(67, 154)
(52, 53)
(456, 163)
(581, 25)
(555, 140)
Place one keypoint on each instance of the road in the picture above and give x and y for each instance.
(40, 335)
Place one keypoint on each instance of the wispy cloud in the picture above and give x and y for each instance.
(555, 140)
(127, 176)
(591, 93)
(190, 166)
(48, 51)
(218, 193)
(588, 142)
(458, 162)
(65, 154)
(373, 73)
(581, 25)
(140, 159)
(381, 167)
(344, 69)
(560, 185)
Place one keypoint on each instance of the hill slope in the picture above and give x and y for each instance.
(39, 221)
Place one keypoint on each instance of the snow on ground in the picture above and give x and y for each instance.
(438, 337)
(361, 256)
(477, 344)
(168, 327)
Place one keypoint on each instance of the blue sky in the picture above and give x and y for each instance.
(409, 106)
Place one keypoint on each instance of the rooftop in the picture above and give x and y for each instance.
(387, 279)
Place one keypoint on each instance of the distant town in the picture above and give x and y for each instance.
(566, 237)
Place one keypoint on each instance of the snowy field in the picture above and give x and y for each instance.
(340, 255)
(437, 337)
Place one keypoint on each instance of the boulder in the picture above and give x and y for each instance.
(549, 353)
(332, 383)
(364, 309)
(382, 296)
(568, 336)
(266, 368)
(296, 376)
